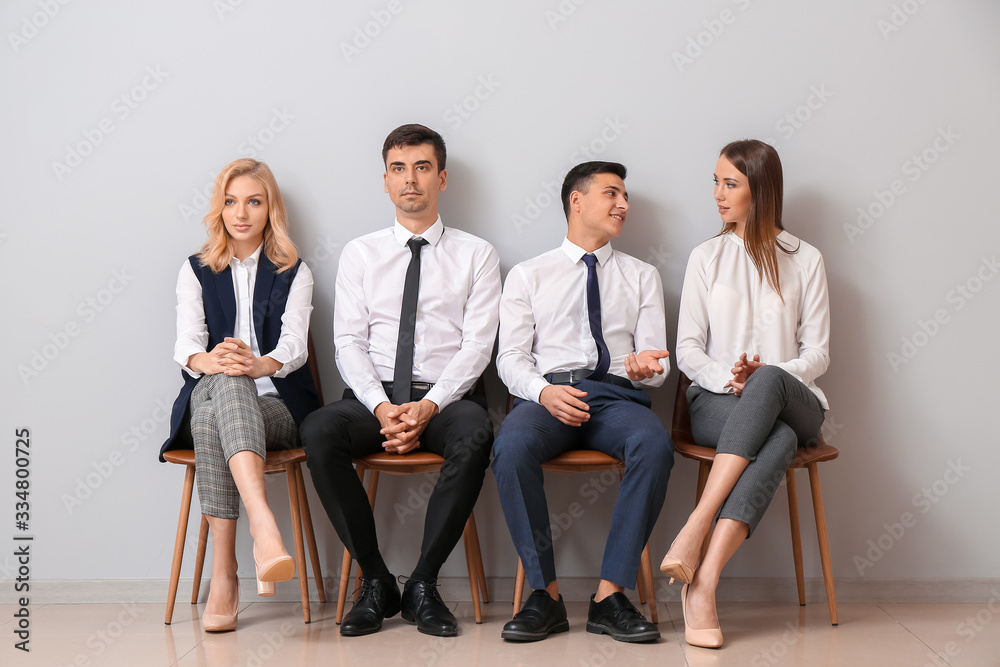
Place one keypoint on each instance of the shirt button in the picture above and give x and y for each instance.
(417, 340)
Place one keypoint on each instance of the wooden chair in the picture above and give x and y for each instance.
(284, 461)
(806, 457)
(583, 461)
(410, 464)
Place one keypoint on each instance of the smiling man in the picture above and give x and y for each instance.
(582, 331)
(415, 318)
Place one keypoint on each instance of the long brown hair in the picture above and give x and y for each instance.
(218, 249)
(759, 162)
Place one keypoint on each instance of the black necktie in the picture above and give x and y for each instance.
(402, 374)
(594, 311)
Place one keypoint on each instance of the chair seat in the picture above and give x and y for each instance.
(803, 457)
(279, 457)
(403, 464)
(582, 460)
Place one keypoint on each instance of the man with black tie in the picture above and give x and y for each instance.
(574, 322)
(415, 318)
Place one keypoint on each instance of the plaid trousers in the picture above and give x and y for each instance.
(227, 416)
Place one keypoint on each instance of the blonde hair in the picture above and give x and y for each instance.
(218, 249)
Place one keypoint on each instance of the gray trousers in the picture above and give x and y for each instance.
(775, 415)
(227, 416)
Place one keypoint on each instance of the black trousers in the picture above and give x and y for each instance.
(344, 430)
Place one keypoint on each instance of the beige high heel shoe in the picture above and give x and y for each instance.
(280, 568)
(705, 638)
(675, 568)
(221, 622)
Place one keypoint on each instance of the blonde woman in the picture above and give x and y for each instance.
(243, 307)
(753, 334)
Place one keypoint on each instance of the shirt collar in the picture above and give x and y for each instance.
(252, 259)
(432, 235)
(575, 252)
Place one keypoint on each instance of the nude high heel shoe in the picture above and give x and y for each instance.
(221, 622)
(706, 638)
(280, 568)
(675, 568)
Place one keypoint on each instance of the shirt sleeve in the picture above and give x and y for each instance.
(479, 332)
(651, 325)
(693, 331)
(292, 349)
(350, 329)
(515, 363)
(813, 333)
(192, 331)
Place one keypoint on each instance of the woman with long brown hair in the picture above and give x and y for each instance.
(243, 308)
(753, 335)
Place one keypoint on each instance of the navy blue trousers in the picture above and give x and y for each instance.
(621, 425)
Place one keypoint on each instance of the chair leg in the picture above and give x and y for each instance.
(640, 583)
(484, 593)
(199, 559)
(518, 587)
(307, 523)
(647, 576)
(182, 524)
(300, 551)
(345, 567)
(372, 492)
(345, 578)
(793, 520)
(824, 545)
(470, 558)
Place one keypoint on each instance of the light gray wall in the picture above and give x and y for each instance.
(156, 97)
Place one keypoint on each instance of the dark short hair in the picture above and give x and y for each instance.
(414, 134)
(579, 178)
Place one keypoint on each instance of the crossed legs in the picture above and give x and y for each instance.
(755, 436)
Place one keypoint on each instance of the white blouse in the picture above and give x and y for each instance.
(726, 310)
(192, 330)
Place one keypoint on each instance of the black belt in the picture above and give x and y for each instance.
(414, 386)
(572, 377)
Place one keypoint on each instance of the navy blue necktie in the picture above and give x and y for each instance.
(402, 372)
(594, 311)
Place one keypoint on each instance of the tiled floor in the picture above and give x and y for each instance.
(272, 633)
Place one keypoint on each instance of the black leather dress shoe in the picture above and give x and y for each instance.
(540, 617)
(422, 604)
(615, 616)
(379, 600)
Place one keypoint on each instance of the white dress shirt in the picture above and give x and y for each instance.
(545, 324)
(456, 311)
(192, 331)
(727, 310)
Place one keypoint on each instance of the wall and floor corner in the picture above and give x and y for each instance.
(117, 116)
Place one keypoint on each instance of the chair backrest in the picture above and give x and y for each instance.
(680, 427)
(313, 364)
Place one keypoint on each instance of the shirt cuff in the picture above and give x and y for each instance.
(372, 398)
(439, 397)
(282, 358)
(535, 388)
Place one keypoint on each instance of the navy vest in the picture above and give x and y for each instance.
(270, 295)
